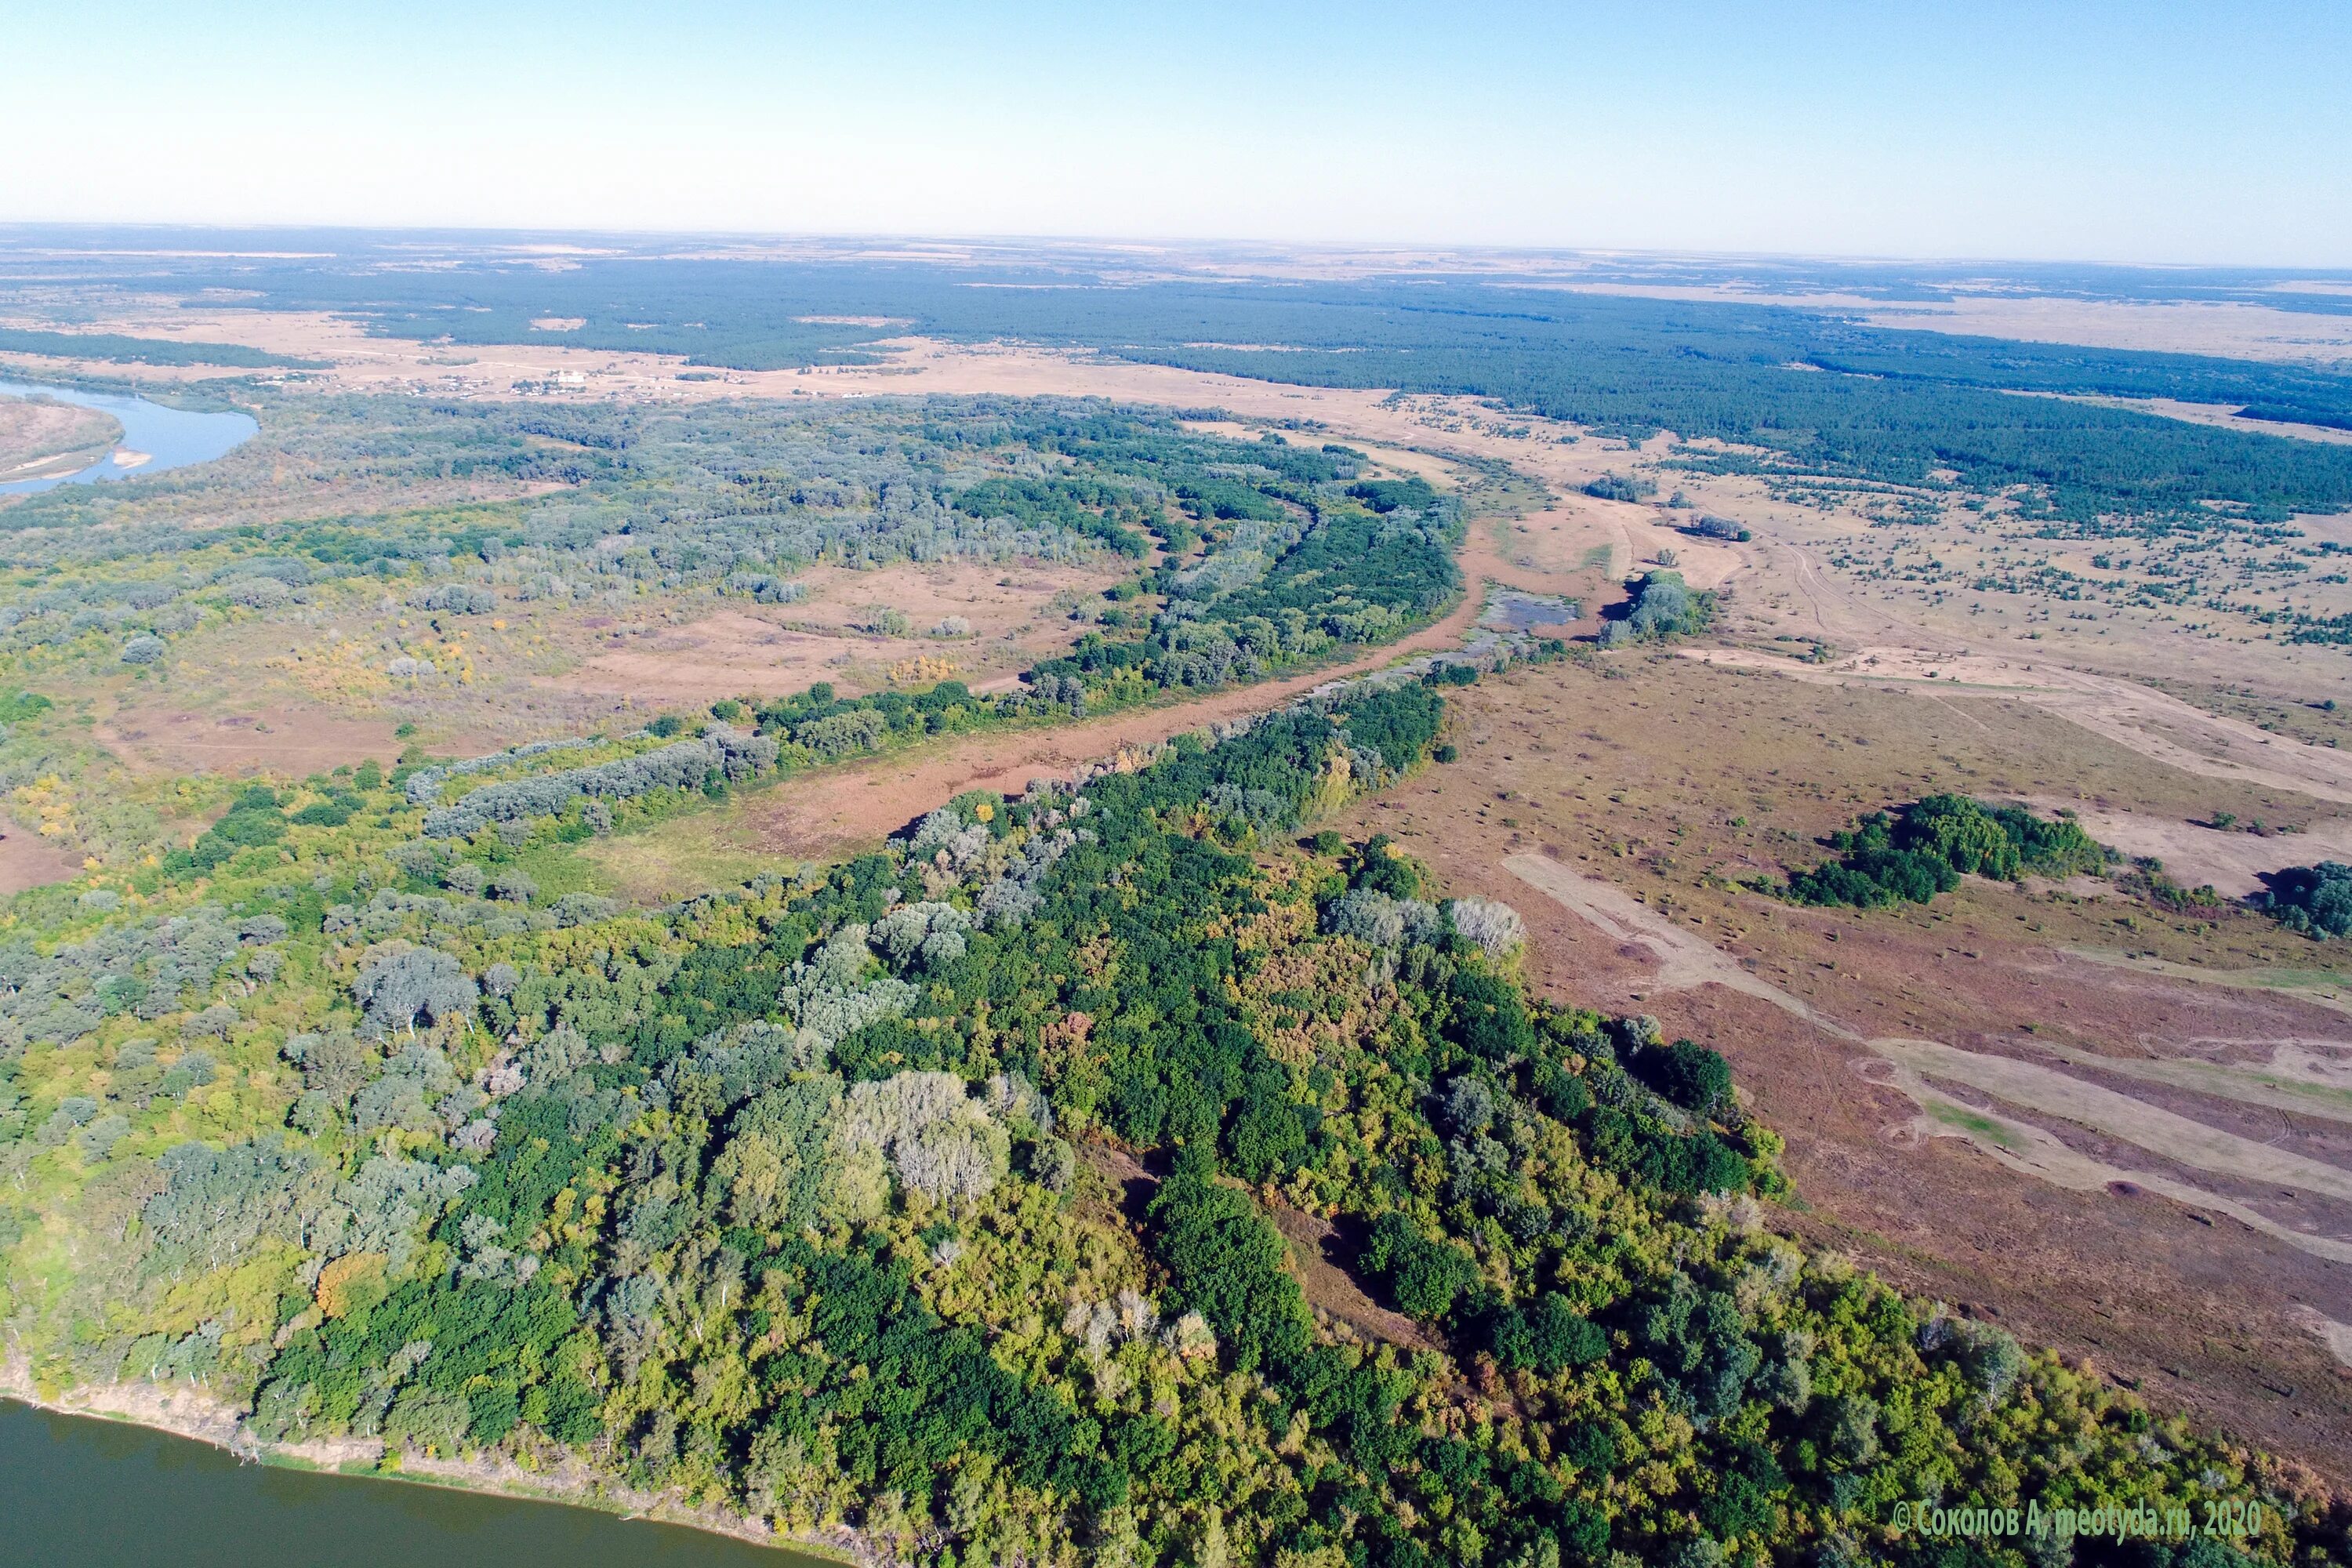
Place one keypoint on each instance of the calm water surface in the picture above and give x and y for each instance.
(173, 437)
(82, 1493)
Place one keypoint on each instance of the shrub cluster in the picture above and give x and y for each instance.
(1923, 848)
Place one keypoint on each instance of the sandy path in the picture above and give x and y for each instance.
(1686, 961)
(2303, 1078)
(1333, 1289)
(2319, 987)
(862, 803)
(2178, 1138)
(1911, 1065)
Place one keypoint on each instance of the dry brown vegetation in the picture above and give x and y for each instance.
(162, 737)
(1015, 615)
(29, 860)
(308, 689)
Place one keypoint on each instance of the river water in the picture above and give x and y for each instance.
(76, 1492)
(171, 438)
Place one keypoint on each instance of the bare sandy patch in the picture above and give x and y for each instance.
(1685, 961)
(1332, 1291)
(711, 658)
(2318, 987)
(2179, 1139)
(2234, 331)
(2336, 1336)
(999, 601)
(2222, 417)
(2301, 1078)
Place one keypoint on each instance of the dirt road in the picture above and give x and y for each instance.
(841, 809)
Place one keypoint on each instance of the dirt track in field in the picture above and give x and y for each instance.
(845, 808)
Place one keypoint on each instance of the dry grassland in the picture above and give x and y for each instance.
(2233, 330)
(1017, 615)
(2092, 1118)
(29, 860)
(162, 737)
(310, 686)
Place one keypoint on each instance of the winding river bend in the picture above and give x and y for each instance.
(76, 1492)
(166, 438)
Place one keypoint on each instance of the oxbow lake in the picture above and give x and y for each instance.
(171, 438)
(78, 1492)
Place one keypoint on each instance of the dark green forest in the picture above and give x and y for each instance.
(120, 350)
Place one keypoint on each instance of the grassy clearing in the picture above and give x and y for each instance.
(671, 860)
(1974, 1123)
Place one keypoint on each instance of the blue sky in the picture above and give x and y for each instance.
(2132, 132)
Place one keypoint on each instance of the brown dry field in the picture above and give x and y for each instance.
(305, 688)
(164, 737)
(29, 860)
(2160, 727)
(773, 650)
(1620, 816)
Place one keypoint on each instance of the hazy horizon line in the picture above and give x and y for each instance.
(1109, 242)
